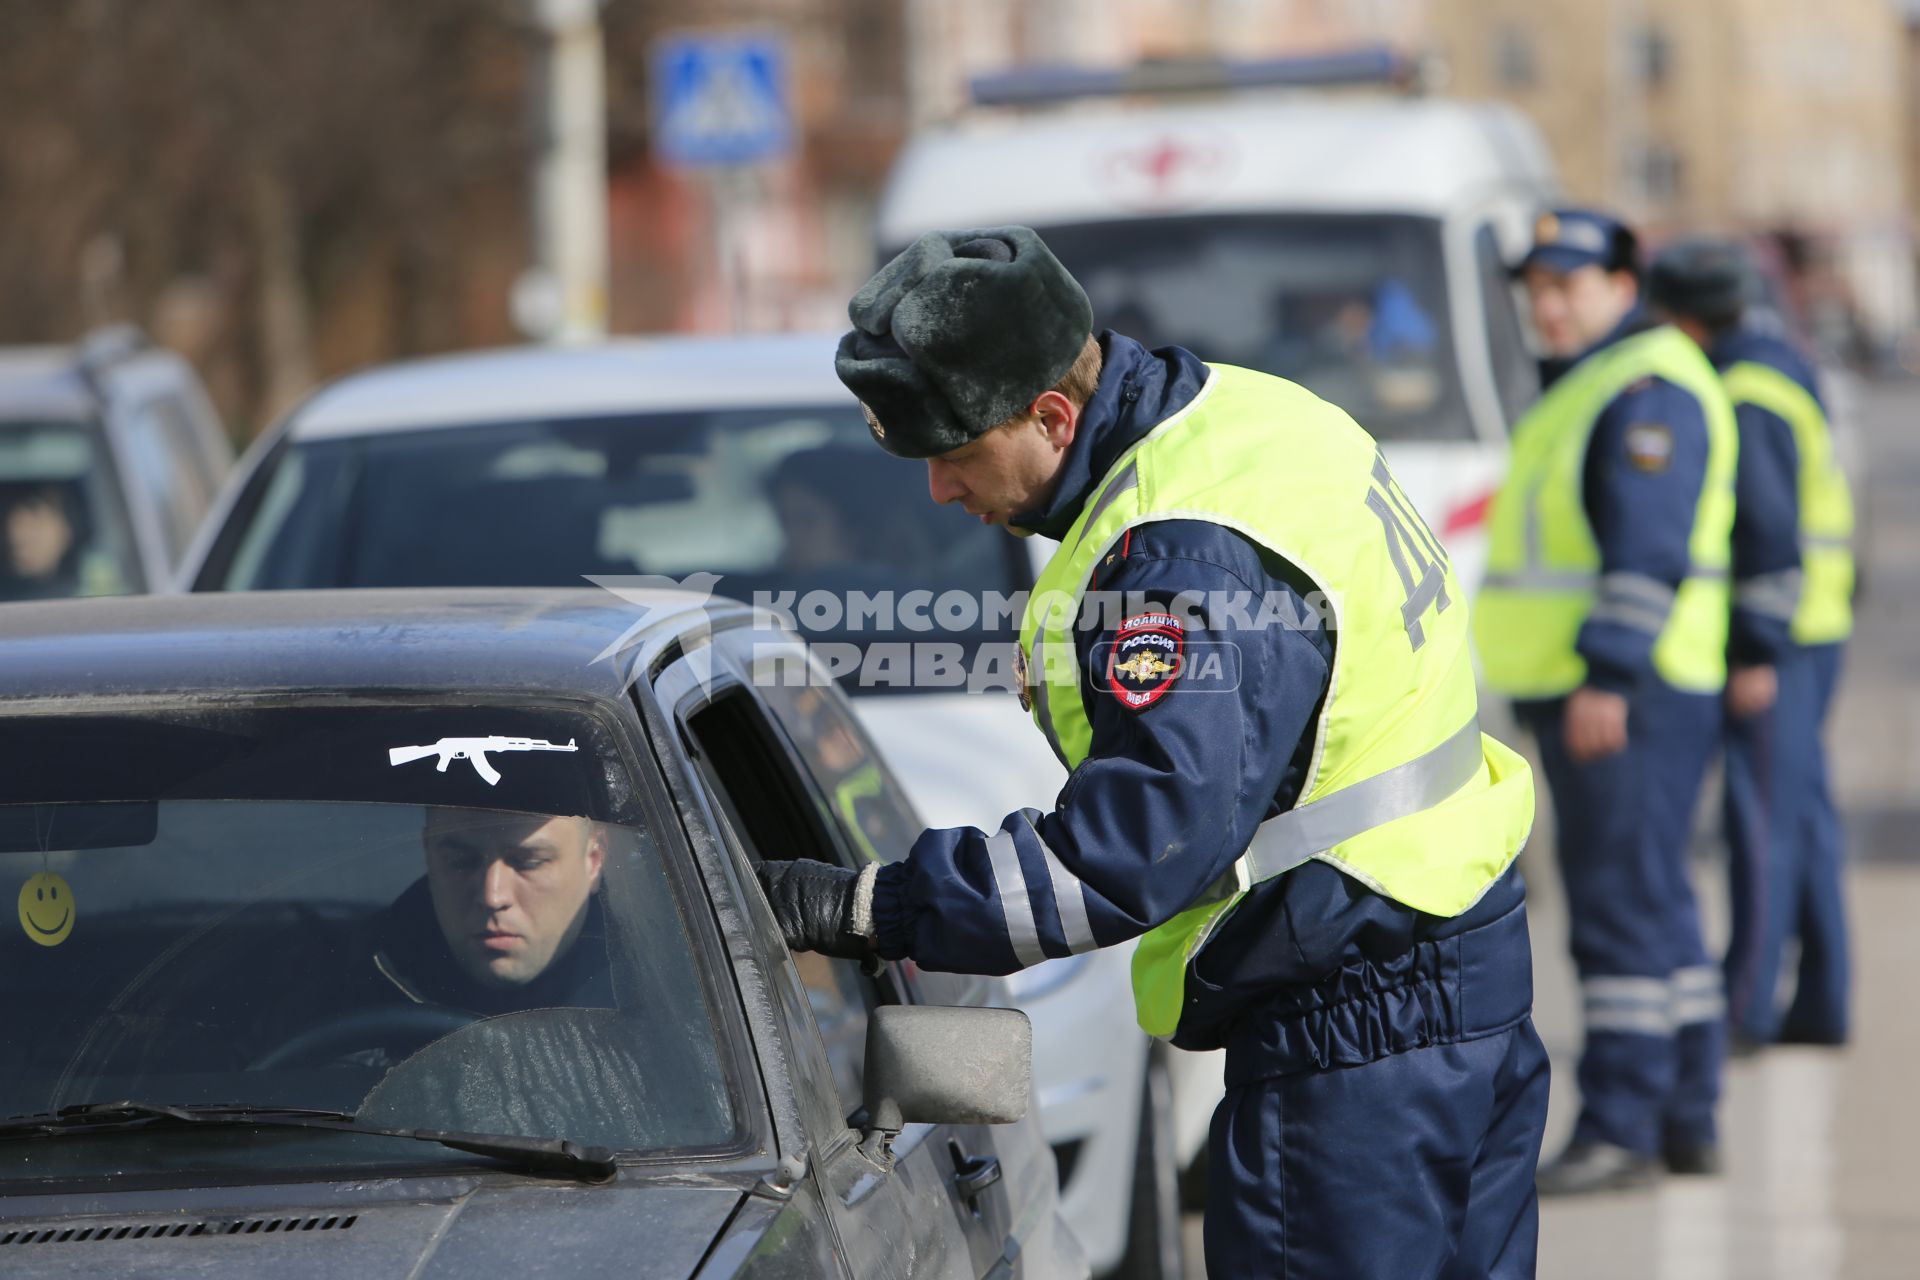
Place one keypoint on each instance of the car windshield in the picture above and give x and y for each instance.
(779, 502)
(297, 908)
(63, 531)
(1352, 307)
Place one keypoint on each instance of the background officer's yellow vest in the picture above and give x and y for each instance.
(1405, 793)
(1825, 612)
(1543, 563)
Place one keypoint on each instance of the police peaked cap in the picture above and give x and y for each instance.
(1564, 240)
(1705, 279)
(958, 334)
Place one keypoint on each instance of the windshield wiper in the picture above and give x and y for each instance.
(543, 1155)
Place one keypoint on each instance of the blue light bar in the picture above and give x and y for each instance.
(1043, 83)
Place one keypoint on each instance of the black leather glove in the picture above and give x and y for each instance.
(814, 905)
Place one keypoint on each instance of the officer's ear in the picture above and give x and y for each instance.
(1058, 416)
(1623, 262)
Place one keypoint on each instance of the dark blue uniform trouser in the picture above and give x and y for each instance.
(1785, 854)
(1408, 1152)
(1654, 1011)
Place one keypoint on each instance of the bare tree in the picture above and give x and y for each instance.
(275, 153)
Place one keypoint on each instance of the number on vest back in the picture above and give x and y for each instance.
(1417, 555)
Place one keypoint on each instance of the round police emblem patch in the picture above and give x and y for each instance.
(1145, 659)
(1649, 446)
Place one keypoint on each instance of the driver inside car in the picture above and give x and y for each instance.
(506, 918)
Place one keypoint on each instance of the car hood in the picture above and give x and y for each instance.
(390, 1227)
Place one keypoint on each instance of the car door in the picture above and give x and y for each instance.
(873, 819)
(914, 1214)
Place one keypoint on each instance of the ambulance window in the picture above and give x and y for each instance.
(1351, 306)
(1515, 375)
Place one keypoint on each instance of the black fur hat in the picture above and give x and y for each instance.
(1707, 279)
(958, 334)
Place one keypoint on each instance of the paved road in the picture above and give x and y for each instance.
(1823, 1147)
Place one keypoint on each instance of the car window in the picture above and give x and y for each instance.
(225, 921)
(1516, 375)
(776, 815)
(1353, 307)
(866, 801)
(164, 460)
(63, 523)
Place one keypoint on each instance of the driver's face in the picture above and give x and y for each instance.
(510, 892)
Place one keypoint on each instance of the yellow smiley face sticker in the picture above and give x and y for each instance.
(46, 909)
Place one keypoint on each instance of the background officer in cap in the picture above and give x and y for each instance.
(1292, 807)
(1792, 588)
(1604, 615)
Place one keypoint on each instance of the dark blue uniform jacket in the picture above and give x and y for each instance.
(1766, 526)
(1169, 797)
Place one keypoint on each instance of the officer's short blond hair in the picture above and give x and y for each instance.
(1078, 382)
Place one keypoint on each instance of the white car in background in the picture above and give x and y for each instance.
(1357, 242)
(747, 458)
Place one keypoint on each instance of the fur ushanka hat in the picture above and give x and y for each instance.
(958, 334)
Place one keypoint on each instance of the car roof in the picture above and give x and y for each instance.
(1301, 153)
(532, 642)
(624, 375)
(41, 383)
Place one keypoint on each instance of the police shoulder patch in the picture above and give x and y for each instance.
(1649, 446)
(1145, 659)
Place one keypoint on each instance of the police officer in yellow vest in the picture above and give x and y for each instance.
(1252, 654)
(1792, 589)
(1604, 616)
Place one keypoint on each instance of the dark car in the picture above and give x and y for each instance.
(382, 934)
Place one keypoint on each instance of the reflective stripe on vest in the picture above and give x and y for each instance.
(1404, 793)
(1544, 576)
(1822, 612)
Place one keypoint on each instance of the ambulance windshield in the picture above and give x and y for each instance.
(1353, 307)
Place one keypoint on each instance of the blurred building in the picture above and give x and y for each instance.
(1773, 118)
(284, 199)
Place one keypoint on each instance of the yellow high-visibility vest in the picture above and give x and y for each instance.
(1543, 563)
(1824, 614)
(1405, 794)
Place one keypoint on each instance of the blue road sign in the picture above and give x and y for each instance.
(720, 98)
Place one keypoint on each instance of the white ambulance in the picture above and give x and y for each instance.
(1356, 242)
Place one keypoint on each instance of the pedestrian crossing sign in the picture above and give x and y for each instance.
(720, 98)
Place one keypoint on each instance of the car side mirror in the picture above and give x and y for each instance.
(942, 1065)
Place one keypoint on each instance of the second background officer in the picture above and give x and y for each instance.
(1604, 616)
(1793, 585)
